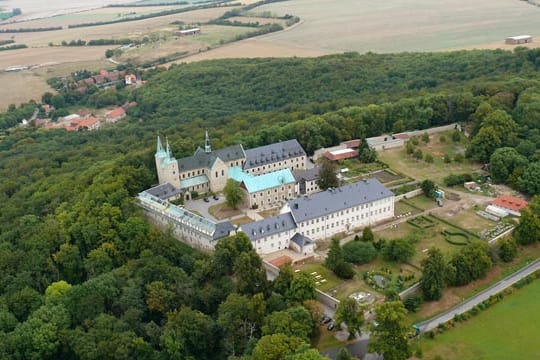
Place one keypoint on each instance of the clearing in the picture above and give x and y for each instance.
(507, 330)
(400, 161)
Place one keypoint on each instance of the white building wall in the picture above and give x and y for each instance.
(346, 220)
(273, 242)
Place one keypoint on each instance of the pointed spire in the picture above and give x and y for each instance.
(169, 152)
(207, 148)
(159, 145)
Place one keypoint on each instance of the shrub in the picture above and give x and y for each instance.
(359, 252)
(344, 270)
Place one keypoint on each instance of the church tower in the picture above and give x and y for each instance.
(166, 165)
(207, 148)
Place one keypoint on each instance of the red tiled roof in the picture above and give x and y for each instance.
(87, 122)
(352, 143)
(116, 113)
(510, 202)
(280, 261)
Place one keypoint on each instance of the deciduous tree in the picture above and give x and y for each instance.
(352, 314)
(433, 275)
(389, 337)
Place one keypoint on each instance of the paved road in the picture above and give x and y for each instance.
(484, 295)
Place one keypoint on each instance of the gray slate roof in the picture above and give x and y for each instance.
(205, 160)
(307, 175)
(269, 154)
(164, 191)
(301, 240)
(333, 200)
(223, 229)
(269, 226)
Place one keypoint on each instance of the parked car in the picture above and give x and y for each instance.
(326, 319)
(215, 197)
(331, 326)
(206, 200)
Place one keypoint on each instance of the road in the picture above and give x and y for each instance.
(478, 298)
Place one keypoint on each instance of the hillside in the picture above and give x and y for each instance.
(67, 198)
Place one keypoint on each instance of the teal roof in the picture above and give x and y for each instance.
(262, 182)
(194, 181)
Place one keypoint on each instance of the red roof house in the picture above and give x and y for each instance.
(511, 204)
(115, 115)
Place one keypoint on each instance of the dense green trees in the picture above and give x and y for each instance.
(74, 245)
(389, 337)
(233, 193)
(336, 262)
(433, 275)
(359, 252)
(351, 314)
(328, 175)
(528, 229)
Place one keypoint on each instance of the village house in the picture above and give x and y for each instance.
(115, 115)
(509, 204)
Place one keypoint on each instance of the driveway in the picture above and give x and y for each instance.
(201, 207)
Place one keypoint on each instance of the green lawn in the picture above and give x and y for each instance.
(508, 330)
(331, 280)
(401, 208)
(427, 238)
(422, 202)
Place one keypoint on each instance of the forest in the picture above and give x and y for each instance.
(84, 276)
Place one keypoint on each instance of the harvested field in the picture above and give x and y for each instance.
(23, 86)
(394, 25)
(253, 48)
(131, 29)
(51, 55)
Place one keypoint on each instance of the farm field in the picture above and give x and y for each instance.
(33, 9)
(506, 331)
(395, 26)
(130, 29)
(23, 86)
(252, 48)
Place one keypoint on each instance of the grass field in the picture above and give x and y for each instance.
(508, 330)
(395, 25)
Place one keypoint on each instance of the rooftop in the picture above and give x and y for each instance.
(342, 154)
(262, 182)
(307, 175)
(333, 200)
(202, 159)
(268, 154)
(269, 226)
(183, 216)
(163, 191)
(510, 202)
(194, 181)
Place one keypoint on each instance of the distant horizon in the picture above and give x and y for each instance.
(33, 9)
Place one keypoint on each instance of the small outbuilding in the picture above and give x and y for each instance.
(520, 39)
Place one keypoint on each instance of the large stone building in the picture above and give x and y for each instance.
(208, 170)
(190, 228)
(342, 209)
(320, 216)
